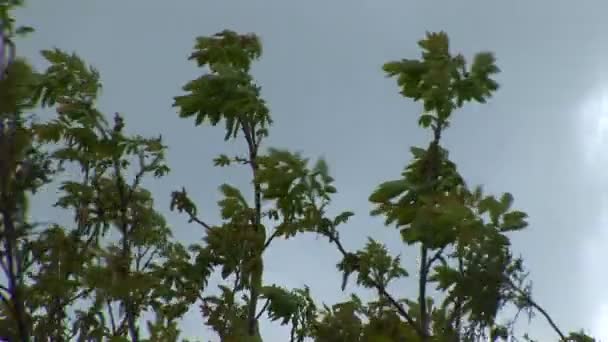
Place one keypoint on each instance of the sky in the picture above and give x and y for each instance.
(542, 137)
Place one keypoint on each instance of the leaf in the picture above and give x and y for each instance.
(343, 217)
(282, 304)
(389, 190)
(23, 30)
(222, 160)
(418, 152)
(506, 200)
(232, 192)
(514, 220)
(426, 120)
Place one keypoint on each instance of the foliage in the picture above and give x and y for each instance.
(100, 275)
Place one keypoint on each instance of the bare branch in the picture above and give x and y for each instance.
(274, 235)
(435, 257)
(111, 314)
(149, 261)
(263, 309)
(199, 221)
(530, 301)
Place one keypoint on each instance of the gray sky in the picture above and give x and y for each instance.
(540, 138)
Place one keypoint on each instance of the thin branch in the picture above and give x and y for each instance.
(111, 314)
(400, 309)
(422, 283)
(130, 313)
(152, 255)
(140, 255)
(79, 295)
(13, 276)
(237, 280)
(263, 309)
(274, 235)
(193, 218)
(138, 176)
(435, 257)
(143, 168)
(249, 132)
(530, 301)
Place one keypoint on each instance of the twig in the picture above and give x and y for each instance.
(530, 301)
(152, 255)
(263, 309)
(199, 221)
(274, 235)
(111, 314)
(435, 257)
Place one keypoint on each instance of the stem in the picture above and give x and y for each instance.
(535, 305)
(13, 286)
(274, 235)
(431, 175)
(458, 305)
(111, 314)
(126, 255)
(199, 221)
(422, 281)
(400, 309)
(2, 50)
(262, 309)
(256, 282)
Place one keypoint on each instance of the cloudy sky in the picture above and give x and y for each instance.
(542, 137)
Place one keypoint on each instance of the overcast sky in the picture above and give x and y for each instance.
(541, 137)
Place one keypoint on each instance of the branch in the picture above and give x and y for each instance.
(143, 168)
(263, 309)
(150, 259)
(111, 314)
(199, 221)
(530, 301)
(82, 294)
(140, 255)
(237, 280)
(435, 257)
(274, 235)
(138, 176)
(400, 309)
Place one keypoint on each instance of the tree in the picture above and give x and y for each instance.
(228, 94)
(96, 277)
(461, 233)
(23, 169)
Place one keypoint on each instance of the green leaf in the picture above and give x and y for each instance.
(222, 160)
(343, 217)
(426, 120)
(514, 220)
(23, 30)
(389, 190)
